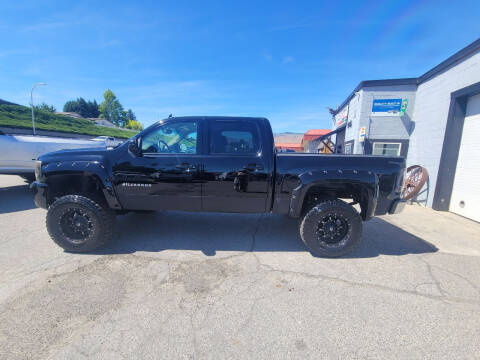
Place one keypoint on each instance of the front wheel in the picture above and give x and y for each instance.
(331, 228)
(79, 224)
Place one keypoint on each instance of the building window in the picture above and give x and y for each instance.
(348, 148)
(387, 149)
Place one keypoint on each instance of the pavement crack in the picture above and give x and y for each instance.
(434, 279)
(249, 317)
(194, 330)
(458, 275)
(255, 231)
(445, 298)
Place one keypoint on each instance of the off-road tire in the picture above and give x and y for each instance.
(310, 224)
(102, 221)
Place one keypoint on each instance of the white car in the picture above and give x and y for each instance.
(110, 141)
(18, 153)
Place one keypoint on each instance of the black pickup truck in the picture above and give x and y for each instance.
(214, 164)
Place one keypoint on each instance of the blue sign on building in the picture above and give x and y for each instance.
(386, 107)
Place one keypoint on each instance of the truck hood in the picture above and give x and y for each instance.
(87, 154)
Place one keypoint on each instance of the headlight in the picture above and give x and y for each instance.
(38, 169)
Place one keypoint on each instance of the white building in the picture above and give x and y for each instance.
(432, 120)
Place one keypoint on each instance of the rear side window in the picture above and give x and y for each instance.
(233, 137)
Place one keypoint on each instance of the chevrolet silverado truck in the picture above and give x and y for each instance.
(214, 164)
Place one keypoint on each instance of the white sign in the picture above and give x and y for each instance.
(361, 136)
(341, 117)
(389, 107)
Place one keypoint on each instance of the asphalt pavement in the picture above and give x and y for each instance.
(217, 286)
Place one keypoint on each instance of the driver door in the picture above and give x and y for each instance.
(167, 175)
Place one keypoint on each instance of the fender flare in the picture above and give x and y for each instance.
(84, 168)
(366, 180)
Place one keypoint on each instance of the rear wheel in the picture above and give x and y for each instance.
(331, 228)
(79, 224)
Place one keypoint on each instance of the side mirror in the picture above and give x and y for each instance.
(134, 147)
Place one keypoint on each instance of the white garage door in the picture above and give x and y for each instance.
(465, 199)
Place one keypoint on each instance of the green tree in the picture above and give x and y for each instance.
(111, 109)
(131, 115)
(93, 109)
(134, 125)
(123, 119)
(45, 107)
(126, 117)
(70, 106)
(82, 107)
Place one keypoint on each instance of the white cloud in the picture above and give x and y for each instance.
(13, 52)
(267, 56)
(50, 25)
(189, 90)
(300, 120)
(180, 98)
(288, 59)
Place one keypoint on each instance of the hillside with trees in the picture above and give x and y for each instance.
(46, 118)
(86, 109)
(18, 116)
(110, 109)
(45, 107)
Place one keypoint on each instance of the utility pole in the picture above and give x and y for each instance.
(31, 99)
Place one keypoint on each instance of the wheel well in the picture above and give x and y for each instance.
(357, 193)
(61, 185)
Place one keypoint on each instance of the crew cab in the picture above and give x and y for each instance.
(214, 164)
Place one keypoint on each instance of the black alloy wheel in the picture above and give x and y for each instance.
(80, 224)
(331, 228)
(76, 225)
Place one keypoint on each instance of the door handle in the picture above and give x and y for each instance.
(185, 166)
(156, 175)
(253, 167)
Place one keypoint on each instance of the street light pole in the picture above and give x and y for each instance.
(31, 99)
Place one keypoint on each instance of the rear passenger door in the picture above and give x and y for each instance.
(236, 177)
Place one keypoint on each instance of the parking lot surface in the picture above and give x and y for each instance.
(195, 286)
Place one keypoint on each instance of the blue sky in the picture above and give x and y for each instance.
(286, 60)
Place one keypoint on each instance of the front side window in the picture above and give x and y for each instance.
(386, 149)
(172, 138)
(233, 137)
